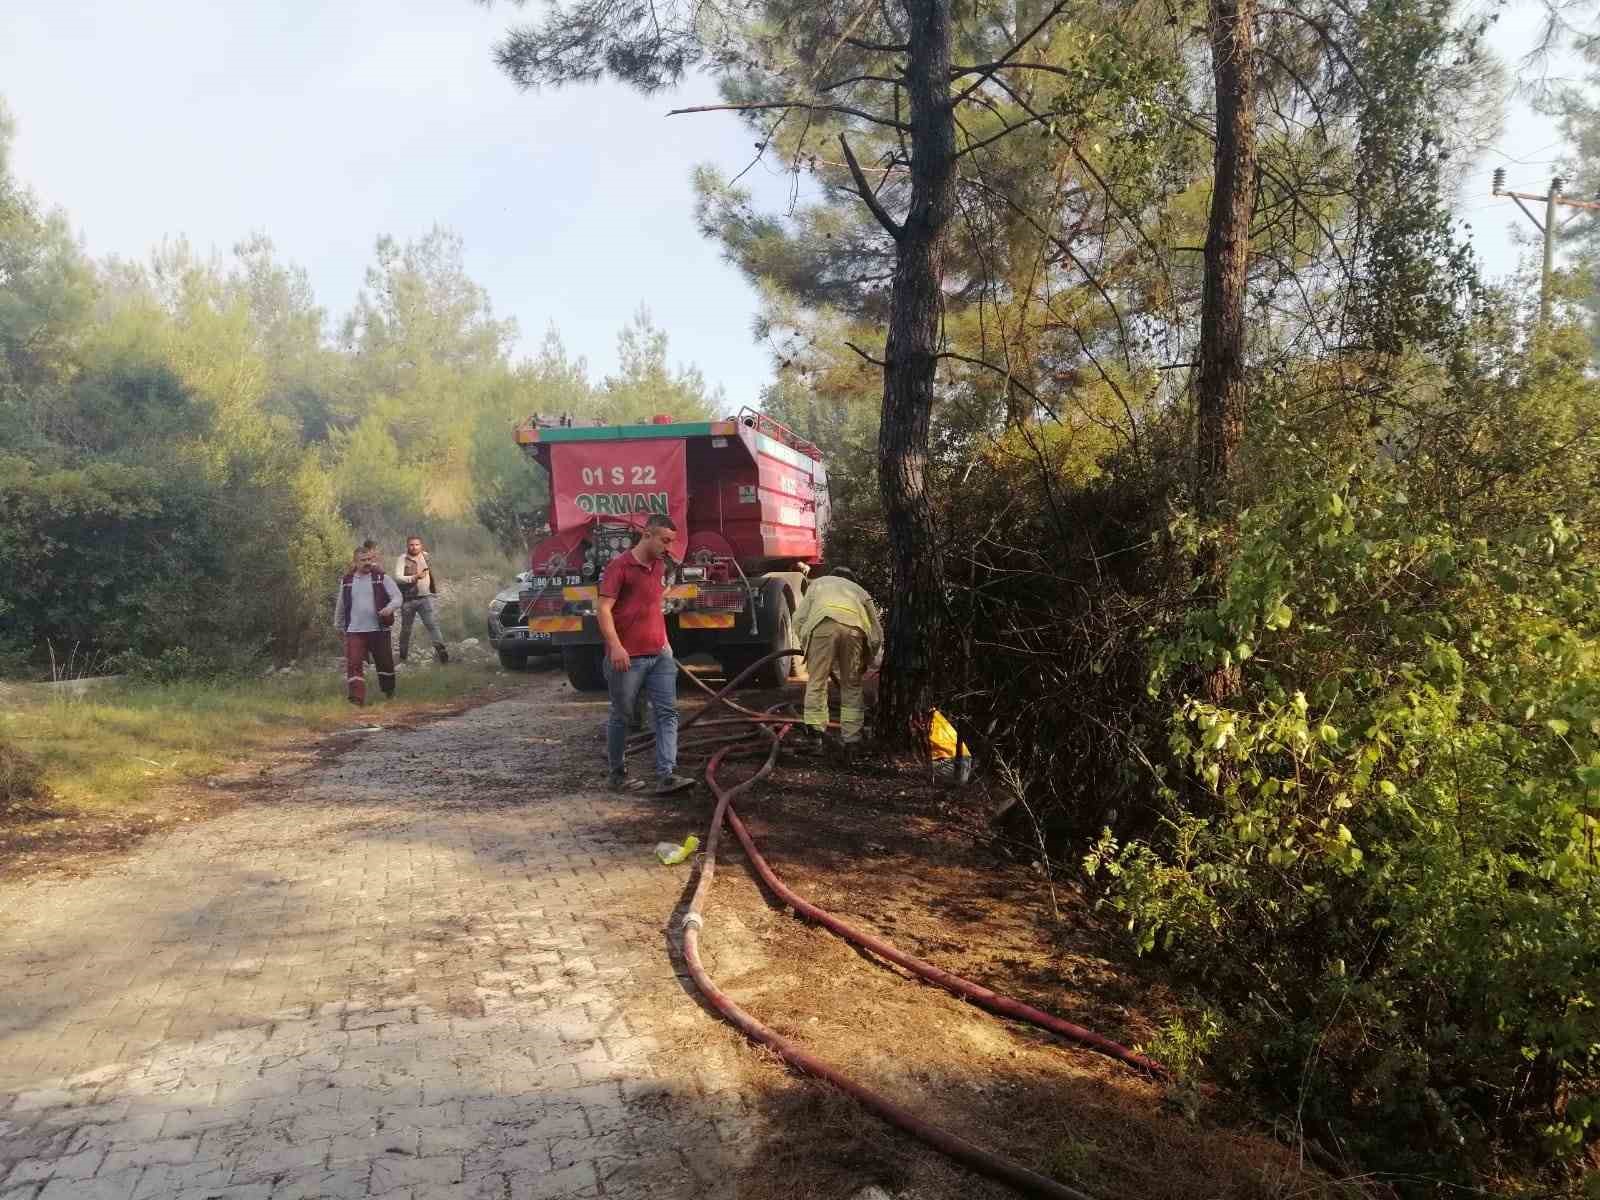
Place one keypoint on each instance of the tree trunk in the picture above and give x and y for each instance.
(916, 607)
(1220, 378)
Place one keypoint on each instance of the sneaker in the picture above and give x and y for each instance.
(667, 785)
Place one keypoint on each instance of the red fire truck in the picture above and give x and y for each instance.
(749, 498)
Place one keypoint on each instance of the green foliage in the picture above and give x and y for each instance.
(45, 291)
(376, 489)
(172, 665)
(511, 494)
(646, 386)
(142, 527)
(186, 458)
(1379, 855)
(1185, 1043)
(1577, 109)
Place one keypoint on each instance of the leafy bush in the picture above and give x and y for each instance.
(1380, 854)
(221, 557)
(172, 665)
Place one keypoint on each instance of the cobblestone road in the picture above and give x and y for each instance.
(434, 966)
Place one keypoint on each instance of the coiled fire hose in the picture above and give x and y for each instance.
(770, 728)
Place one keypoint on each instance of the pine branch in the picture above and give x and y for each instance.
(877, 47)
(877, 362)
(836, 108)
(989, 69)
(866, 192)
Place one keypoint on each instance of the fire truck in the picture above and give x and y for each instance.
(749, 498)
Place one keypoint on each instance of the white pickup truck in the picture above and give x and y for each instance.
(508, 628)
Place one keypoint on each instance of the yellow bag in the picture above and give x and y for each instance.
(671, 854)
(942, 737)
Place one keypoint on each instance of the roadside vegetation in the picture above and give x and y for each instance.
(111, 750)
(191, 445)
(1249, 535)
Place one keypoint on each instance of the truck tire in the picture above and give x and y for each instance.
(778, 617)
(583, 666)
(513, 660)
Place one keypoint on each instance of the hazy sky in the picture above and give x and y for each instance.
(325, 125)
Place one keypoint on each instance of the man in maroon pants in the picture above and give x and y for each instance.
(363, 614)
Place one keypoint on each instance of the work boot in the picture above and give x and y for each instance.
(617, 781)
(809, 742)
(847, 753)
(440, 654)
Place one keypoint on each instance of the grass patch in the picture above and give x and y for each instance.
(109, 750)
(21, 779)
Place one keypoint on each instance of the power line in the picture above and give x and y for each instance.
(1528, 162)
(1553, 200)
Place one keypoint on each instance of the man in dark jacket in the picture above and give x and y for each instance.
(363, 614)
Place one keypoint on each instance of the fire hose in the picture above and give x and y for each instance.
(770, 727)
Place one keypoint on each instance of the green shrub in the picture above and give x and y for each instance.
(172, 665)
(1380, 856)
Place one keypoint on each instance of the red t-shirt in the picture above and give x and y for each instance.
(638, 590)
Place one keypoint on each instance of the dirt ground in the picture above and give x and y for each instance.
(888, 848)
(892, 850)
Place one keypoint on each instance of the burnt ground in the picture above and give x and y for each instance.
(487, 811)
(894, 851)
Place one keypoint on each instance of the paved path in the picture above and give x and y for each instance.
(433, 967)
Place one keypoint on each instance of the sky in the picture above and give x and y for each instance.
(328, 125)
(1528, 147)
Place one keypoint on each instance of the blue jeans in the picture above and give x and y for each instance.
(657, 674)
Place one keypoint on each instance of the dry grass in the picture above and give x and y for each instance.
(21, 780)
(111, 750)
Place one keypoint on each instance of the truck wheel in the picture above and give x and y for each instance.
(583, 665)
(513, 660)
(780, 637)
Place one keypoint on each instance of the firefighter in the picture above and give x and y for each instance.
(838, 625)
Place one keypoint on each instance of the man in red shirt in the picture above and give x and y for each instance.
(637, 654)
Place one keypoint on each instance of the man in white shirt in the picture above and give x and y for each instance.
(419, 591)
(363, 614)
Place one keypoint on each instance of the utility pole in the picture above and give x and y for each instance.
(1548, 228)
(1549, 252)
